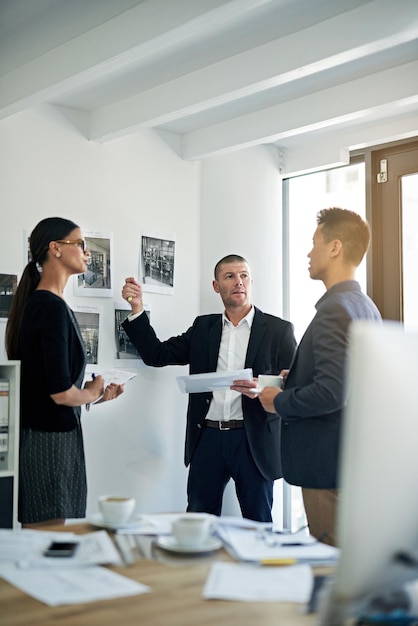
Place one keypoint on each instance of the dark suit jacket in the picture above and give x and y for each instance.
(270, 349)
(311, 404)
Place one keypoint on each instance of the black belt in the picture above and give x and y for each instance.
(225, 425)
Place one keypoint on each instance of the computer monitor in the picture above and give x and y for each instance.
(378, 512)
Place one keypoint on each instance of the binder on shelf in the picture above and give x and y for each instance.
(4, 423)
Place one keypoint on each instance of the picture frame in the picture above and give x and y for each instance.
(157, 263)
(8, 286)
(125, 351)
(90, 320)
(97, 280)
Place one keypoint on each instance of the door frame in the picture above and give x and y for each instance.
(384, 214)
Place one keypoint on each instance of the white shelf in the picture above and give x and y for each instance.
(11, 371)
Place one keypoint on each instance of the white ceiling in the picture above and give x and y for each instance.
(217, 75)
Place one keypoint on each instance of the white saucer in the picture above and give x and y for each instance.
(168, 542)
(97, 520)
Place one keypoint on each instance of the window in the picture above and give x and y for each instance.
(306, 195)
(303, 197)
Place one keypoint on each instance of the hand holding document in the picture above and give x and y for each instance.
(211, 381)
(115, 377)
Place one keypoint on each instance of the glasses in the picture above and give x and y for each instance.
(81, 243)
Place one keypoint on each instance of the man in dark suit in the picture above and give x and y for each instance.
(228, 435)
(314, 395)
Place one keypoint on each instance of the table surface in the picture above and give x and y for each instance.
(175, 600)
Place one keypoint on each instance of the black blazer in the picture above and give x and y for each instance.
(270, 349)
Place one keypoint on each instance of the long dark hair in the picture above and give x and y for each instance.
(49, 229)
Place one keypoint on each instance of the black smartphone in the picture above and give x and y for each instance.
(62, 548)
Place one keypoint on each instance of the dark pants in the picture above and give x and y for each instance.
(219, 456)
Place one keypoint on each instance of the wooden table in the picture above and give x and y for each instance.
(175, 600)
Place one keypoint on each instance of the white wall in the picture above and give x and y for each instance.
(241, 214)
(129, 186)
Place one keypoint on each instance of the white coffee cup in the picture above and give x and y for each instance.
(192, 529)
(267, 380)
(116, 509)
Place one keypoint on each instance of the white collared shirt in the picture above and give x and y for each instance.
(226, 404)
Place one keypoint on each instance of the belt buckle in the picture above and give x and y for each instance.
(223, 427)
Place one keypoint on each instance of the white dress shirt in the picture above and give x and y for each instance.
(226, 404)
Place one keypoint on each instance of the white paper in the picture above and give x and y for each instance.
(22, 545)
(253, 583)
(256, 545)
(116, 376)
(211, 381)
(157, 524)
(26, 547)
(68, 586)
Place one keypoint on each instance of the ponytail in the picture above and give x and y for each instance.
(28, 283)
(47, 230)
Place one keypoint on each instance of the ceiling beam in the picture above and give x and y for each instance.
(133, 36)
(265, 67)
(391, 93)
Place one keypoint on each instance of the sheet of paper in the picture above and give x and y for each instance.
(211, 381)
(116, 376)
(21, 545)
(68, 586)
(253, 583)
(26, 547)
(157, 524)
(256, 545)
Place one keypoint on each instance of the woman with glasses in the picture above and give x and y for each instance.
(42, 332)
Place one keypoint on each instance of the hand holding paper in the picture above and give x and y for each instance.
(113, 384)
(211, 381)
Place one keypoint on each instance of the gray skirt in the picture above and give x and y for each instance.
(52, 475)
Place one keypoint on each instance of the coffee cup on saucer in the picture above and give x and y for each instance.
(192, 530)
(116, 509)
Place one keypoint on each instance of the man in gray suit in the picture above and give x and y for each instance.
(311, 404)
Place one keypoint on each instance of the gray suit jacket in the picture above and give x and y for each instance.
(270, 349)
(314, 397)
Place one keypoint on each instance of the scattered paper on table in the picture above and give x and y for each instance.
(26, 547)
(253, 583)
(151, 524)
(211, 381)
(68, 586)
(257, 545)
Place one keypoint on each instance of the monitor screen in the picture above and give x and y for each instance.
(378, 513)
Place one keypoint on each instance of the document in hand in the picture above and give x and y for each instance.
(211, 381)
(116, 376)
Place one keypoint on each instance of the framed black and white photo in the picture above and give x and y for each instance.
(125, 350)
(89, 321)
(96, 281)
(8, 285)
(27, 256)
(157, 263)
